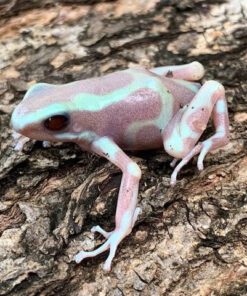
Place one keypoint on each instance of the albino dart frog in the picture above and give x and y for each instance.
(134, 109)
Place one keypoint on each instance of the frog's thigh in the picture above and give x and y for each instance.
(186, 127)
(193, 71)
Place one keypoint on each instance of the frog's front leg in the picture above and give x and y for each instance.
(186, 127)
(127, 211)
(19, 141)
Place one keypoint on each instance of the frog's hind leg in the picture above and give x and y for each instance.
(185, 128)
(191, 72)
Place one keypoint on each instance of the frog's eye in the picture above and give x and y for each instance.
(57, 122)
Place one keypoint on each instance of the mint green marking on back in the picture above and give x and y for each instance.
(166, 112)
(91, 102)
(161, 121)
(87, 102)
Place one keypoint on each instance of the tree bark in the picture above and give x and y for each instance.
(190, 239)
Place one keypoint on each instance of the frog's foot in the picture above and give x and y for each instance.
(217, 140)
(20, 141)
(183, 162)
(113, 240)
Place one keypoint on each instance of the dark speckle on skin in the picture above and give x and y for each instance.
(169, 74)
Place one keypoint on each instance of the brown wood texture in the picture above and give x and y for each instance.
(190, 239)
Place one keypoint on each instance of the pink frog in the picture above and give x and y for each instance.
(134, 109)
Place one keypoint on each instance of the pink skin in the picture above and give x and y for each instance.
(147, 134)
(190, 72)
(143, 104)
(196, 120)
(127, 211)
(111, 125)
(122, 114)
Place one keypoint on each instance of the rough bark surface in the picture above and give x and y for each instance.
(190, 239)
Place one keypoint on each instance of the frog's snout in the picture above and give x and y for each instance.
(17, 117)
(13, 120)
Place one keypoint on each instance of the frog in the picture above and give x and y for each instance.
(128, 110)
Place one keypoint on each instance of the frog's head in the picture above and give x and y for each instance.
(42, 114)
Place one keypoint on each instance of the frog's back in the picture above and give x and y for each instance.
(139, 111)
(124, 106)
(132, 106)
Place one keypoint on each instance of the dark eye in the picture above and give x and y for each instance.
(57, 122)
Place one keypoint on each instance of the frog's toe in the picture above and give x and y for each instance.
(108, 262)
(19, 141)
(206, 147)
(173, 162)
(82, 255)
(200, 164)
(46, 144)
(184, 161)
(100, 230)
(173, 178)
(16, 135)
(137, 212)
